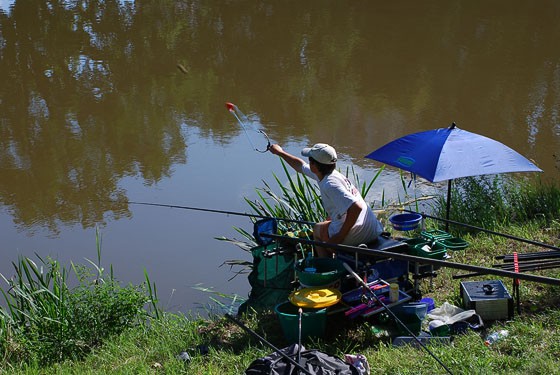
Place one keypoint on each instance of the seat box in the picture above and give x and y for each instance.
(490, 299)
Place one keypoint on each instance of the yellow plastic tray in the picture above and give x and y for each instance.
(315, 298)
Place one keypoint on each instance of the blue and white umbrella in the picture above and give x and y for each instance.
(448, 153)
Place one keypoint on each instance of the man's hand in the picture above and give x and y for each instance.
(276, 149)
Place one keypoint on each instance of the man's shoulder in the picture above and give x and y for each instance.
(337, 178)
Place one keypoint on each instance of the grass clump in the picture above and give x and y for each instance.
(45, 320)
(492, 201)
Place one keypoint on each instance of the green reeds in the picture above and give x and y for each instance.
(45, 319)
(299, 197)
(494, 201)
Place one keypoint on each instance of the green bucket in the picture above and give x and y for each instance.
(313, 321)
(412, 242)
(411, 315)
(325, 272)
(435, 234)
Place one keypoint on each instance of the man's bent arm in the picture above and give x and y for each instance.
(293, 161)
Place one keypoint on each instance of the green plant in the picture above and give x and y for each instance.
(493, 201)
(535, 200)
(45, 320)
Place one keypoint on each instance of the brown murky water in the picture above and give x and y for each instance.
(106, 100)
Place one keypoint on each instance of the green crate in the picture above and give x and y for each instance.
(435, 234)
(411, 242)
(438, 251)
(454, 243)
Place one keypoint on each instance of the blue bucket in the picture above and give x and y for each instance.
(405, 222)
(429, 303)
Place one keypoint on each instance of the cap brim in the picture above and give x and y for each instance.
(306, 151)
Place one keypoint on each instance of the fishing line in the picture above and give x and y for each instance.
(243, 121)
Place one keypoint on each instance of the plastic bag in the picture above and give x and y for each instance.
(449, 314)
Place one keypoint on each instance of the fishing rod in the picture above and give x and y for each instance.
(530, 266)
(375, 297)
(523, 262)
(233, 213)
(413, 258)
(521, 268)
(536, 243)
(530, 256)
(242, 119)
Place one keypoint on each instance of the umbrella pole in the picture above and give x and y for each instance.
(448, 205)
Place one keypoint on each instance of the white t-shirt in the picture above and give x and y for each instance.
(337, 195)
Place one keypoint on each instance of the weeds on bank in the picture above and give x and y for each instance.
(492, 201)
(45, 320)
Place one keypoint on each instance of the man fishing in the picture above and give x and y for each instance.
(350, 220)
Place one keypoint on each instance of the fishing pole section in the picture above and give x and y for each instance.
(244, 122)
(352, 249)
(224, 212)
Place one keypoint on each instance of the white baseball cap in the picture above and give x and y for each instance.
(321, 152)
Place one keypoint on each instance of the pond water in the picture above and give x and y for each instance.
(104, 102)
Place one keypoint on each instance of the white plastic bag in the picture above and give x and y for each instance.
(448, 314)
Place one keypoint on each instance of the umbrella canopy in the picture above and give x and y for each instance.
(448, 153)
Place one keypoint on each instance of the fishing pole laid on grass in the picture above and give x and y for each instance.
(243, 121)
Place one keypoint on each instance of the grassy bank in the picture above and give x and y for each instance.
(144, 343)
(532, 347)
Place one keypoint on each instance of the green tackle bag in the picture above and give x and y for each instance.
(271, 276)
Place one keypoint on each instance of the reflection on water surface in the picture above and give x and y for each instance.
(108, 101)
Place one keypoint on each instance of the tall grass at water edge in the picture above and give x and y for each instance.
(491, 202)
(45, 320)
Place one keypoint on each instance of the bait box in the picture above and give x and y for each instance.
(490, 299)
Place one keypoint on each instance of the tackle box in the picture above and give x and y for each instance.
(490, 299)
